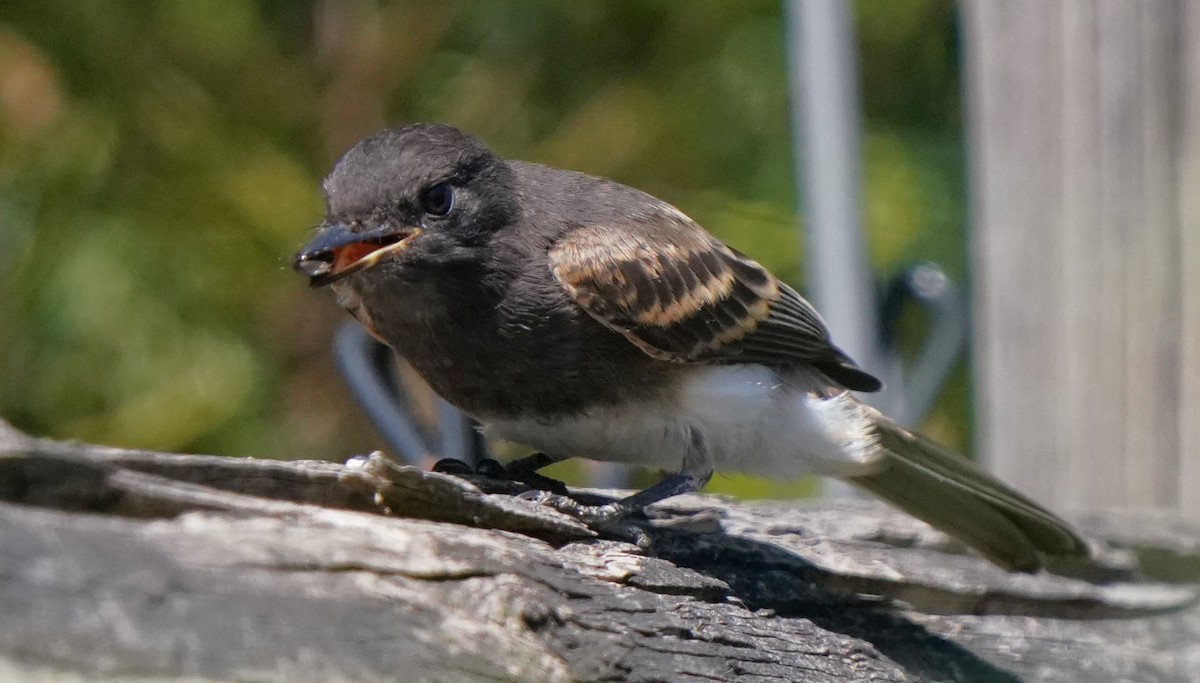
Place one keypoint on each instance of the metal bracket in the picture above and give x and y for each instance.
(369, 369)
(913, 388)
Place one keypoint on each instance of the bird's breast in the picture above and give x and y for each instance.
(508, 355)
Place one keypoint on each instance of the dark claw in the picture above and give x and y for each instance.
(495, 470)
(452, 466)
(491, 468)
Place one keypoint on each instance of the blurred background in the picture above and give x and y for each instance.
(160, 162)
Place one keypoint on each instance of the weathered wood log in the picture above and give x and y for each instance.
(125, 565)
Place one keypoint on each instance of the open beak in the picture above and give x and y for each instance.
(336, 251)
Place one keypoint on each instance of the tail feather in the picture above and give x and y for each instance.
(940, 487)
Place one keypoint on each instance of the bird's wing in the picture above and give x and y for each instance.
(681, 295)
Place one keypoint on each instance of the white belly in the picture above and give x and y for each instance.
(747, 418)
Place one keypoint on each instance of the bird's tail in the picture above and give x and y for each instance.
(947, 491)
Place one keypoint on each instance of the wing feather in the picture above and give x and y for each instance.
(682, 296)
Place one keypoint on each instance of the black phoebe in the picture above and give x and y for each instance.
(582, 317)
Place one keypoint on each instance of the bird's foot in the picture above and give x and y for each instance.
(610, 519)
(491, 468)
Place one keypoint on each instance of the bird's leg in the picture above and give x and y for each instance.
(610, 517)
(530, 464)
(674, 485)
(523, 470)
(684, 482)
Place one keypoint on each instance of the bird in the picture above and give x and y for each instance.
(584, 318)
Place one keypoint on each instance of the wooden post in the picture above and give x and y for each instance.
(1084, 124)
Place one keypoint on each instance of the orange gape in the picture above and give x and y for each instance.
(351, 253)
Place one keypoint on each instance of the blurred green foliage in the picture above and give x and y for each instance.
(160, 161)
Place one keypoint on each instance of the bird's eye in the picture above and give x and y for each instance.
(438, 199)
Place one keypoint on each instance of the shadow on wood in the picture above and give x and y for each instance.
(126, 564)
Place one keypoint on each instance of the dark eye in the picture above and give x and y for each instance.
(438, 199)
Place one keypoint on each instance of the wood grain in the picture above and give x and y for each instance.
(1083, 138)
(123, 565)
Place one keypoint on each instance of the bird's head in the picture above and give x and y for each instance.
(405, 198)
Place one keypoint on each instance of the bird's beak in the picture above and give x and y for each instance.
(337, 251)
